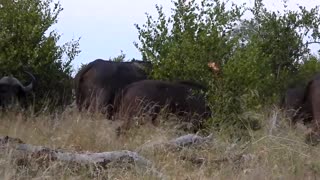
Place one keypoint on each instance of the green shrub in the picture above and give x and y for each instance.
(259, 57)
(27, 43)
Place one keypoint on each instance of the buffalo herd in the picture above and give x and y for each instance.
(123, 90)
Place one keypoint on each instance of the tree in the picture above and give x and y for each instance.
(276, 45)
(27, 43)
(258, 57)
(181, 46)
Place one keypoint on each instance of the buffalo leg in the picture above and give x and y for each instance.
(126, 113)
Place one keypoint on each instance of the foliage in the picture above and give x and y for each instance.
(273, 52)
(258, 57)
(27, 43)
(119, 58)
(181, 46)
(309, 67)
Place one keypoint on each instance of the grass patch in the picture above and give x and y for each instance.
(276, 151)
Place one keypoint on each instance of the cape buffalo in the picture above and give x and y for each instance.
(150, 96)
(294, 106)
(11, 89)
(312, 103)
(98, 82)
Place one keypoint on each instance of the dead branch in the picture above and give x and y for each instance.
(45, 154)
(40, 154)
(189, 140)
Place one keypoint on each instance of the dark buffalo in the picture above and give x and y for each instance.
(293, 104)
(312, 104)
(11, 90)
(150, 96)
(97, 83)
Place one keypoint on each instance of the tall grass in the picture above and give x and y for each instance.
(276, 151)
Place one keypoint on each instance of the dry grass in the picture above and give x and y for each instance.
(275, 152)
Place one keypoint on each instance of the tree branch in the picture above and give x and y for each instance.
(43, 154)
(313, 42)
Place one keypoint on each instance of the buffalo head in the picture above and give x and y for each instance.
(11, 89)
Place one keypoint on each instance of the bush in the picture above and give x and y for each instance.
(258, 57)
(27, 43)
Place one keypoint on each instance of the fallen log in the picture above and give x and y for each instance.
(189, 140)
(43, 154)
